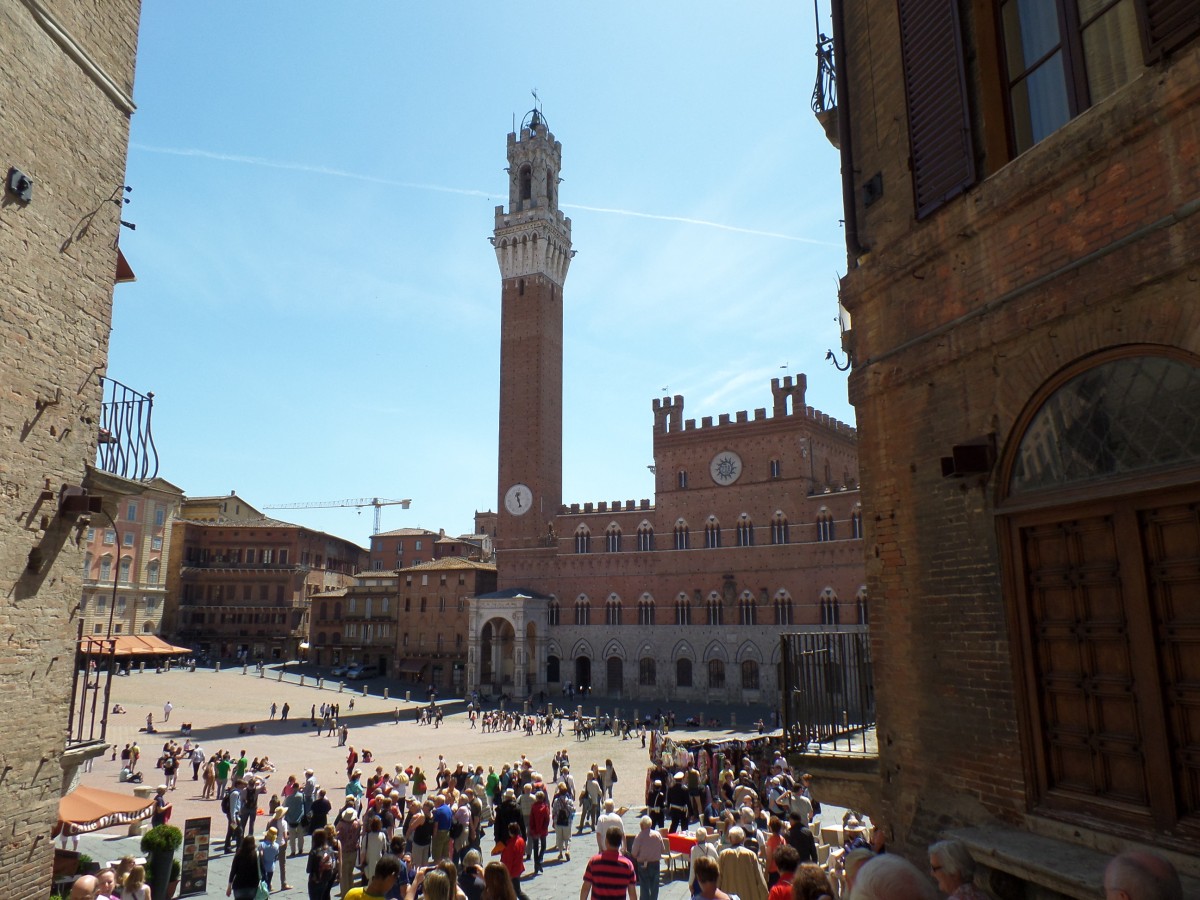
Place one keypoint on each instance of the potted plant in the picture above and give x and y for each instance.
(159, 844)
(87, 865)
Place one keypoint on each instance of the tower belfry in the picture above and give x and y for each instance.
(532, 239)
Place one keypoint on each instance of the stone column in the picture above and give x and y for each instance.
(520, 656)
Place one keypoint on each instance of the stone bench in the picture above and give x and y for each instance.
(1056, 868)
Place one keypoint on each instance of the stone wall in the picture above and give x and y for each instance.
(65, 123)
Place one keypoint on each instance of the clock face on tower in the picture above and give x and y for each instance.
(725, 467)
(518, 499)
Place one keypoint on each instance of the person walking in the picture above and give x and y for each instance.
(609, 875)
(563, 811)
(322, 866)
(268, 853)
(513, 857)
(244, 871)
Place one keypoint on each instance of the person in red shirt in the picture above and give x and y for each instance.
(539, 827)
(787, 860)
(513, 857)
(609, 875)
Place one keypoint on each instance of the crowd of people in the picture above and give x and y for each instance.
(747, 821)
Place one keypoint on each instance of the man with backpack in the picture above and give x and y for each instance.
(231, 805)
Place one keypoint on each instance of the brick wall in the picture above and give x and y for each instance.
(958, 321)
(57, 265)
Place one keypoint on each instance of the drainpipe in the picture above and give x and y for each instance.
(854, 247)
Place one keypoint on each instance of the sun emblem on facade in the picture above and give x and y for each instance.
(725, 467)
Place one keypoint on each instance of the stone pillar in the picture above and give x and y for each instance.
(520, 664)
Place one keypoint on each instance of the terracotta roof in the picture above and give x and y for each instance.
(257, 522)
(405, 532)
(450, 563)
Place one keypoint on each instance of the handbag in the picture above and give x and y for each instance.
(263, 892)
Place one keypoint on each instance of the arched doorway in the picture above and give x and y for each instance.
(583, 672)
(615, 675)
(553, 673)
(496, 654)
(1099, 501)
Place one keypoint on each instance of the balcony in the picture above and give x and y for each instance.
(126, 446)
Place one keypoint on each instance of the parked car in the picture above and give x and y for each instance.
(359, 670)
(337, 671)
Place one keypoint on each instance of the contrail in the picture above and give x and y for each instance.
(466, 192)
(703, 222)
(304, 167)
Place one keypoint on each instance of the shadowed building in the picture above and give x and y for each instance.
(1024, 260)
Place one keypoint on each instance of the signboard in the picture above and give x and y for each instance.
(193, 877)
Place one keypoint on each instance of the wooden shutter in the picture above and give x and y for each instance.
(939, 125)
(1168, 25)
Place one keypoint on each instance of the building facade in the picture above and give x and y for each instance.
(125, 561)
(66, 84)
(755, 524)
(1024, 259)
(409, 623)
(242, 589)
(404, 547)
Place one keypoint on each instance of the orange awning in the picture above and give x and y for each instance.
(90, 809)
(132, 645)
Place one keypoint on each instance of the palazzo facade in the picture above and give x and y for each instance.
(755, 526)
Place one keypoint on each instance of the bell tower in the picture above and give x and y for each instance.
(533, 248)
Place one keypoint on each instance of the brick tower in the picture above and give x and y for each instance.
(533, 247)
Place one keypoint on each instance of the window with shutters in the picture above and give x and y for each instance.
(1101, 536)
(939, 128)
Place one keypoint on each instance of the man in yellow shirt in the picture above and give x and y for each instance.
(387, 869)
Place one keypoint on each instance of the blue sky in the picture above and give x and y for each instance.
(317, 305)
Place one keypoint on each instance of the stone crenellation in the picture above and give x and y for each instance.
(788, 398)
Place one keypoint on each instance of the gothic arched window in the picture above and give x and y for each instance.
(683, 537)
(683, 610)
(612, 610)
(683, 673)
(583, 540)
(712, 533)
(645, 537)
(745, 531)
(612, 538)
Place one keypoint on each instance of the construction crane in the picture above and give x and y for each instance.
(358, 503)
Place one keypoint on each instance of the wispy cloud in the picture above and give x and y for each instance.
(443, 189)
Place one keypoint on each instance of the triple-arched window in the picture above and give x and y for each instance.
(645, 537)
(646, 610)
(612, 538)
(830, 609)
(825, 525)
(683, 537)
(712, 533)
(745, 531)
(612, 610)
(583, 539)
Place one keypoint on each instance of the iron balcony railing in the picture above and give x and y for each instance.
(126, 447)
(91, 688)
(828, 690)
